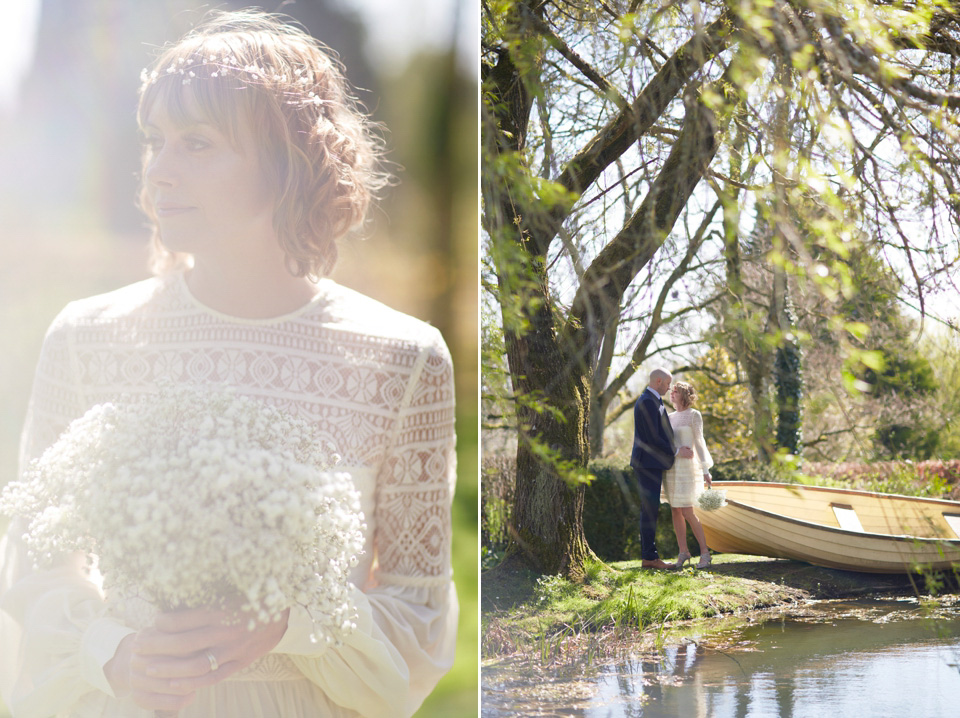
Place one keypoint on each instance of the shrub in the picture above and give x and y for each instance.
(945, 474)
(738, 470)
(610, 509)
(925, 478)
(497, 482)
(611, 515)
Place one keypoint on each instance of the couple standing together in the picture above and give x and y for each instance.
(669, 454)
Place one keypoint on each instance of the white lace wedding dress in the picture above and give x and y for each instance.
(683, 482)
(376, 383)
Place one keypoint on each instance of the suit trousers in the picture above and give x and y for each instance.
(649, 482)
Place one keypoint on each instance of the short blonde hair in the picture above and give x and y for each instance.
(321, 153)
(686, 391)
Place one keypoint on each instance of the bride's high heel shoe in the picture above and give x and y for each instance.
(682, 559)
(705, 560)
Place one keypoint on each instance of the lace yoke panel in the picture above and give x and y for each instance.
(687, 417)
(688, 429)
(377, 384)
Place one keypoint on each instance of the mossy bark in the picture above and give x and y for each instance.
(547, 510)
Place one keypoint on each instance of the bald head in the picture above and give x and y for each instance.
(660, 381)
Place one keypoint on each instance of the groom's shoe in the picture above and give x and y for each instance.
(657, 563)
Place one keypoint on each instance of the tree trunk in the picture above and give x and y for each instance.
(596, 426)
(789, 381)
(552, 448)
(746, 339)
(547, 509)
(600, 399)
(552, 391)
(786, 364)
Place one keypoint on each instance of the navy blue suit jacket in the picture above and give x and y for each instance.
(652, 435)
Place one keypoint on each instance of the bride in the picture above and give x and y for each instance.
(684, 481)
(256, 160)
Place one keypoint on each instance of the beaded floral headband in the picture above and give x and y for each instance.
(197, 66)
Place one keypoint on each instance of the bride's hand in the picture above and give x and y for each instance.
(128, 678)
(188, 650)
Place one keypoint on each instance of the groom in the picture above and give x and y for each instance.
(653, 453)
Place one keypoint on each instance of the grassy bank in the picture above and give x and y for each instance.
(525, 613)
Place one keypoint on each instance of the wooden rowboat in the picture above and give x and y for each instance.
(836, 528)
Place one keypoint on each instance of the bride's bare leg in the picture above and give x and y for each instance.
(691, 517)
(680, 529)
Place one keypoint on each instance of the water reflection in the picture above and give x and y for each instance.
(881, 659)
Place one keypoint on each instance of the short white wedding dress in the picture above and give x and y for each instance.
(683, 482)
(377, 384)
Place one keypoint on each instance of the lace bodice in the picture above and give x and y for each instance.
(377, 384)
(688, 431)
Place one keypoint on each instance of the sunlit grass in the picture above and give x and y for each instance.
(620, 602)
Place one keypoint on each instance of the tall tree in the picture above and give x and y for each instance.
(593, 111)
(549, 356)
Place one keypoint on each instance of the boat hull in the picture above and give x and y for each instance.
(899, 534)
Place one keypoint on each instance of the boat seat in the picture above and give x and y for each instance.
(847, 517)
(953, 521)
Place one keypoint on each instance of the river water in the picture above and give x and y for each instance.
(890, 658)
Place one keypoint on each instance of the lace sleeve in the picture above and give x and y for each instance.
(415, 602)
(416, 482)
(55, 399)
(700, 446)
(54, 637)
(406, 636)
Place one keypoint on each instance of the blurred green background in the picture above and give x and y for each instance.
(69, 227)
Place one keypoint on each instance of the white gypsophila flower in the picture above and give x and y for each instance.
(712, 499)
(197, 497)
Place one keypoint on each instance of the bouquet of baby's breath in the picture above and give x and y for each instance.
(712, 499)
(199, 498)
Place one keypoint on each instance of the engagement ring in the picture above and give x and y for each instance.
(213, 661)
